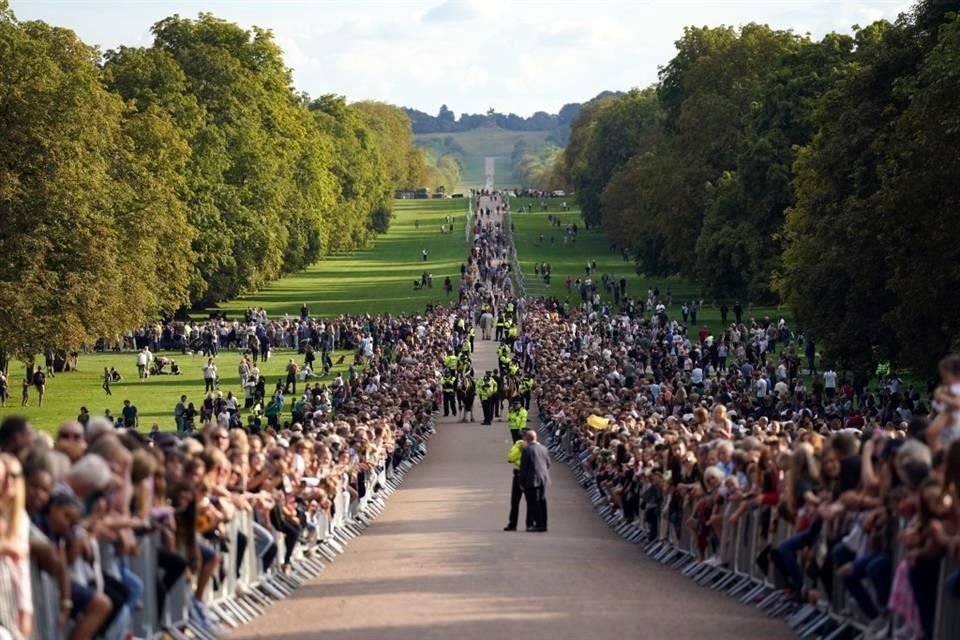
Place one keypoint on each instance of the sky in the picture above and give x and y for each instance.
(517, 56)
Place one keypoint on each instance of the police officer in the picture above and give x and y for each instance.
(526, 386)
(499, 394)
(448, 382)
(501, 325)
(473, 334)
(450, 361)
(504, 357)
(513, 457)
(487, 389)
(517, 419)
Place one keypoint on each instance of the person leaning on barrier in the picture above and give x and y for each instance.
(200, 503)
(790, 470)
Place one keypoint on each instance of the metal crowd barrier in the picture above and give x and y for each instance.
(244, 587)
(735, 567)
(947, 620)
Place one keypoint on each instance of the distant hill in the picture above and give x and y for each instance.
(506, 137)
(557, 125)
(471, 147)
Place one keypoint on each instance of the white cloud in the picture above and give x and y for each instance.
(451, 11)
(516, 55)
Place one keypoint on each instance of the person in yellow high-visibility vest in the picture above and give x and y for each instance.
(448, 381)
(513, 457)
(487, 389)
(517, 419)
(526, 387)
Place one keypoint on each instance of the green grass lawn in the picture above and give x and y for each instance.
(571, 260)
(374, 280)
(154, 398)
(378, 279)
(480, 143)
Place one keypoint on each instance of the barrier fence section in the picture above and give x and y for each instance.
(244, 587)
(744, 560)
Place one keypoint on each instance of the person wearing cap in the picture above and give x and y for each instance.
(448, 381)
(526, 386)
(517, 419)
(486, 389)
(513, 457)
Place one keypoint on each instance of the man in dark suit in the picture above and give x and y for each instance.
(534, 478)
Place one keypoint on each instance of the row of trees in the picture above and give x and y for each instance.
(144, 180)
(558, 124)
(536, 165)
(772, 167)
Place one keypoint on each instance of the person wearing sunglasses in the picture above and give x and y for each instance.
(71, 440)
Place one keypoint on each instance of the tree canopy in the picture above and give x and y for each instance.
(772, 167)
(144, 180)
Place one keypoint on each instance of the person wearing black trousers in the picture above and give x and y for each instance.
(513, 457)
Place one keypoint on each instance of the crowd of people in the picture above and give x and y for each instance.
(254, 332)
(65, 499)
(699, 431)
(92, 490)
(676, 428)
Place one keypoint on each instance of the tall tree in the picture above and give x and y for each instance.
(79, 192)
(616, 130)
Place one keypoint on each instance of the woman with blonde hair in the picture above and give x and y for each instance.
(719, 420)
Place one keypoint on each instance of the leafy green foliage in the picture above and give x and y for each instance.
(87, 196)
(869, 258)
(146, 180)
(767, 166)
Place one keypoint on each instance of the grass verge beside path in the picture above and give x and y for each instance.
(378, 279)
(154, 398)
(375, 280)
(593, 245)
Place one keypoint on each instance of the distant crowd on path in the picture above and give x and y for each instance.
(93, 487)
(703, 429)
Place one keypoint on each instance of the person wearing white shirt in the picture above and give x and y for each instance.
(696, 375)
(830, 382)
(761, 387)
(142, 362)
(782, 390)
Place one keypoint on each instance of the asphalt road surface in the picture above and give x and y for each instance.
(437, 565)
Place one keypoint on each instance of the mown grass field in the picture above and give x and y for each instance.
(378, 279)
(478, 144)
(571, 260)
(374, 280)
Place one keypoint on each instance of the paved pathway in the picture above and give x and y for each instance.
(437, 565)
